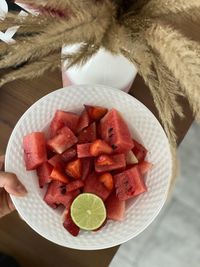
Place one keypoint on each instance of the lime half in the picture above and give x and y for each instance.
(88, 211)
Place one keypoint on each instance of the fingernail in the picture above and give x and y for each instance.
(21, 189)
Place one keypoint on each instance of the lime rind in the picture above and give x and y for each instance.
(88, 211)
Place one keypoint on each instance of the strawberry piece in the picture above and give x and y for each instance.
(70, 226)
(96, 112)
(115, 208)
(139, 151)
(88, 134)
(99, 147)
(56, 162)
(74, 169)
(83, 150)
(44, 172)
(57, 175)
(144, 167)
(74, 185)
(83, 122)
(62, 119)
(87, 164)
(69, 154)
(64, 140)
(93, 185)
(104, 160)
(107, 180)
(119, 162)
(35, 154)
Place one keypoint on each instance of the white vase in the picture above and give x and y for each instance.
(103, 68)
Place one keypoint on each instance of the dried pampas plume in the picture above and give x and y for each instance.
(147, 32)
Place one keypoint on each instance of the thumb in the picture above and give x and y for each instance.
(11, 184)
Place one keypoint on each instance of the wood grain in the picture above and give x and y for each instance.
(17, 238)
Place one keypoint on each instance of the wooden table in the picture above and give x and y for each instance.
(16, 238)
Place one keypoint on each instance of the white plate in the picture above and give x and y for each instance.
(143, 125)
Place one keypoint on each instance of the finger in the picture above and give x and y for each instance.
(5, 208)
(11, 184)
(2, 159)
(10, 203)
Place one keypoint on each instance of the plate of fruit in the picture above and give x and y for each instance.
(96, 164)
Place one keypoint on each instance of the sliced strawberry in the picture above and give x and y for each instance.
(88, 134)
(96, 112)
(63, 141)
(43, 173)
(107, 180)
(56, 162)
(83, 122)
(69, 154)
(57, 175)
(87, 164)
(62, 119)
(74, 185)
(70, 226)
(99, 147)
(104, 160)
(144, 167)
(83, 150)
(119, 163)
(139, 150)
(74, 169)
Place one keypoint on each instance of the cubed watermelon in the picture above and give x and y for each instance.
(144, 167)
(139, 151)
(62, 119)
(119, 163)
(129, 183)
(87, 164)
(57, 194)
(35, 154)
(83, 122)
(93, 185)
(115, 132)
(69, 154)
(62, 141)
(74, 185)
(57, 162)
(44, 172)
(115, 208)
(88, 134)
(70, 226)
(83, 150)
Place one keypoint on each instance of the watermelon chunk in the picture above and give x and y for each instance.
(87, 164)
(131, 158)
(144, 167)
(139, 151)
(70, 226)
(57, 194)
(56, 162)
(63, 141)
(119, 163)
(83, 150)
(115, 132)
(69, 154)
(93, 185)
(62, 119)
(35, 154)
(83, 122)
(96, 112)
(88, 134)
(44, 172)
(74, 185)
(115, 208)
(129, 183)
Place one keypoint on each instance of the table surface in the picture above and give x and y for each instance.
(17, 238)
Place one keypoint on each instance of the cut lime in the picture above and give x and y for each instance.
(88, 211)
